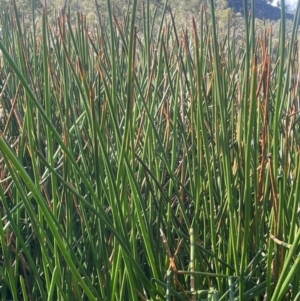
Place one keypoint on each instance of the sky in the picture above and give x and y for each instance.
(290, 3)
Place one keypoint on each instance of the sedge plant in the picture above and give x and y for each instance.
(140, 161)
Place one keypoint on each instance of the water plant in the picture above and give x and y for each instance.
(148, 163)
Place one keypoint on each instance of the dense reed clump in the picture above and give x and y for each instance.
(148, 163)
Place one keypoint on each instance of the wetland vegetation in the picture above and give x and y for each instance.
(144, 161)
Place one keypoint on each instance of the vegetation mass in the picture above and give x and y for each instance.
(142, 160)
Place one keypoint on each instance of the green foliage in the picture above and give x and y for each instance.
(141, 161)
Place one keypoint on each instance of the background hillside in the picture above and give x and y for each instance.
(227, 12)
(264, 10)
